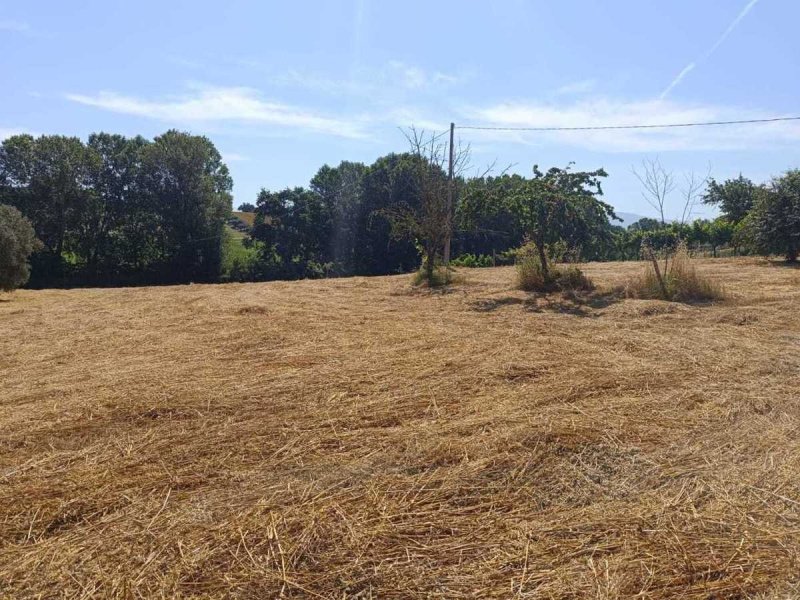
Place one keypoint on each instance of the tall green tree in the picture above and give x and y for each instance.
(115, 231)
(341, 190)
(188, 187)
(774, 221)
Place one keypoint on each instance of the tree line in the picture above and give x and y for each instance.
(119, 210)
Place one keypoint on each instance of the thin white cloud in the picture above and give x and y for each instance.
(386, 81)
(742, 14)
(576, 87)
(223, 104)
(602, 112)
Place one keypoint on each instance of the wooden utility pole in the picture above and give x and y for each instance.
(449, 202)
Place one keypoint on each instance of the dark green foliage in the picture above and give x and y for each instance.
(17, 243)
(185, 184)
(774, 223)
(293, 227)
(735, 197)
(559, 206)
(247, 207)
(340, 225)
(119, 210)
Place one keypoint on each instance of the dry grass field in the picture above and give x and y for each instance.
(354, 438)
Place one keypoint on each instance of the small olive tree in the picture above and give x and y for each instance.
(17, 242)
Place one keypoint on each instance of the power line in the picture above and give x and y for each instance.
(606, 127)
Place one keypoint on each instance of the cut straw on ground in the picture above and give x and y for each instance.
(360, 438)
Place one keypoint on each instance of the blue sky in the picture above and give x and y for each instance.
(284, 87)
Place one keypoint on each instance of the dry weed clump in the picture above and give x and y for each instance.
(531, 277)
(440, 277)
(352, 442)
(680, 282)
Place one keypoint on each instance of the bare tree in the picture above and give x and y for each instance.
(658, 184)
(692, 192)
(428, 218)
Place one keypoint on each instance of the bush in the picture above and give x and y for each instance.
(440, 277)
(531, 276)
(682, 282)
(17, 242)
(471, 261)
(572, 278)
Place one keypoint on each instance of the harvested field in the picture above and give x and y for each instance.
(354, 438)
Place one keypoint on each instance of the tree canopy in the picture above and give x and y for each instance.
(17, 242)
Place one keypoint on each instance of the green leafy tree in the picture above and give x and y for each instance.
(188, 188)
(17, 242)
(774, 222)
(341, 190)
(387, 183)
(734, 197)
(116, 229)
(294, 227)
(246, 207)
(49, 179)
(562, 205)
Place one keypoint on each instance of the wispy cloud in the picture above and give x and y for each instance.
(223, 104)
(388, 80)
(742, 14)
(601, 112)
(577, 87)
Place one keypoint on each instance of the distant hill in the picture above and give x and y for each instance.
(627, 218)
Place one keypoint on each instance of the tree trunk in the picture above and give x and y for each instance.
(661, 283)
(429, 264)
(542, 259)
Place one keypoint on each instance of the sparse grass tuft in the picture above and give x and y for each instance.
(682, 281)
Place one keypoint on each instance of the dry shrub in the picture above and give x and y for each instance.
(530, 274)
(440, 277)
(681, 279)
(532, 278)
(572, 278)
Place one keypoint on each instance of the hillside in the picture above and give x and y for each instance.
(352, 437)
